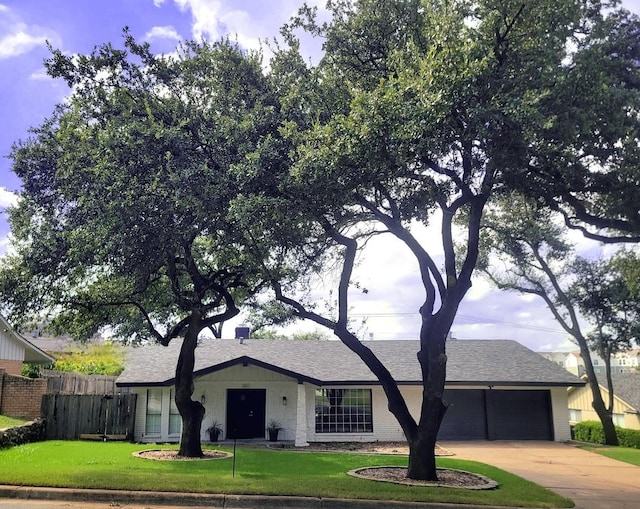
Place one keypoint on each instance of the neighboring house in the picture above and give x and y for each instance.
(626, 405)
(19, 396)
(321, 391)
(15, 350)
(623, 362)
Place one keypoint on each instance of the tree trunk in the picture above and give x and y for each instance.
(422, 447)
(192, 412)
(433, 362)
(610, 435)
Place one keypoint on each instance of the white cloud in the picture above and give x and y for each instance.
(206, 17)
(7, 198)
(19, 42)
(18, 38)
(158, 3)
(163, 32)
(40, 75)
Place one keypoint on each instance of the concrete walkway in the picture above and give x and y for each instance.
(592, 481)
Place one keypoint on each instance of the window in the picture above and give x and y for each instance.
(154, 411)
(175, 421)
(596, 362)
(618, 420)
(575, 415)
(344, 411)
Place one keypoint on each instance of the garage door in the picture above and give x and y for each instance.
(497, 415)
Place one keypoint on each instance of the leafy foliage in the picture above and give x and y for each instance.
(427, 111)
(602, 294)
(132, 194)
(96, 359)
(591, 431)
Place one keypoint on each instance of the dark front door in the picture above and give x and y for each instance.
(246, 413)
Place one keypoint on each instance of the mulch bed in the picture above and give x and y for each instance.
(172, 455)
(447, 478)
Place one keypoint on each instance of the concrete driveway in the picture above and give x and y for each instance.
(592, 481)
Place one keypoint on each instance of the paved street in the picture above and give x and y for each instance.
(61, 504)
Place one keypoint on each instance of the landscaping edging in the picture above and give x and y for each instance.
(30, 432)
(172, 455)
(397, 475)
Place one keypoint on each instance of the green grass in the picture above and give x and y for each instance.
(111, 465)
(8, 422)
(626, 454)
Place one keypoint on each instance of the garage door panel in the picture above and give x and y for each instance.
(465, 418)
(519, 415)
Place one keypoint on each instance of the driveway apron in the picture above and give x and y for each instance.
(592, 481)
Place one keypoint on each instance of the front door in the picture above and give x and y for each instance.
(246, 413)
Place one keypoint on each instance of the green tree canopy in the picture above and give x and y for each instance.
(588, 122)
(127, 216)
(426, 111)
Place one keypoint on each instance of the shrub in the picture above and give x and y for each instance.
(629, 437)
(591, 432)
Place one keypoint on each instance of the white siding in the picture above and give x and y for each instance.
(10, 349)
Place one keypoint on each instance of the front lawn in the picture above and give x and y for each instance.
(626, 454)
(9, 422)
(262, 471)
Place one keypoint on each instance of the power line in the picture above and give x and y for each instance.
(483, 321)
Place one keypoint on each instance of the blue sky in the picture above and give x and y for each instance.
(27, 97)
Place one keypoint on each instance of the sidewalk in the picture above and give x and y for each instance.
(592, 481)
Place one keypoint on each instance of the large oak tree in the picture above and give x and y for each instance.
(423, 112)
(125, 221)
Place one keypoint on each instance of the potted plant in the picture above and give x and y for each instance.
(214, 431)
(273, 428)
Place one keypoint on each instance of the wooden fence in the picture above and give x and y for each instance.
(59, 382)
(68, 416)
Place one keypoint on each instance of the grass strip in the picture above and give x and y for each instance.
(626, 454)
(259, 471)
(9, 422)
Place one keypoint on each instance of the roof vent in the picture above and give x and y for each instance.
(242, 332)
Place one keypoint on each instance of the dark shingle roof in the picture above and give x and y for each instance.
(627, 387)
(487, 362)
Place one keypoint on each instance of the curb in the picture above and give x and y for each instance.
(215, 500)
